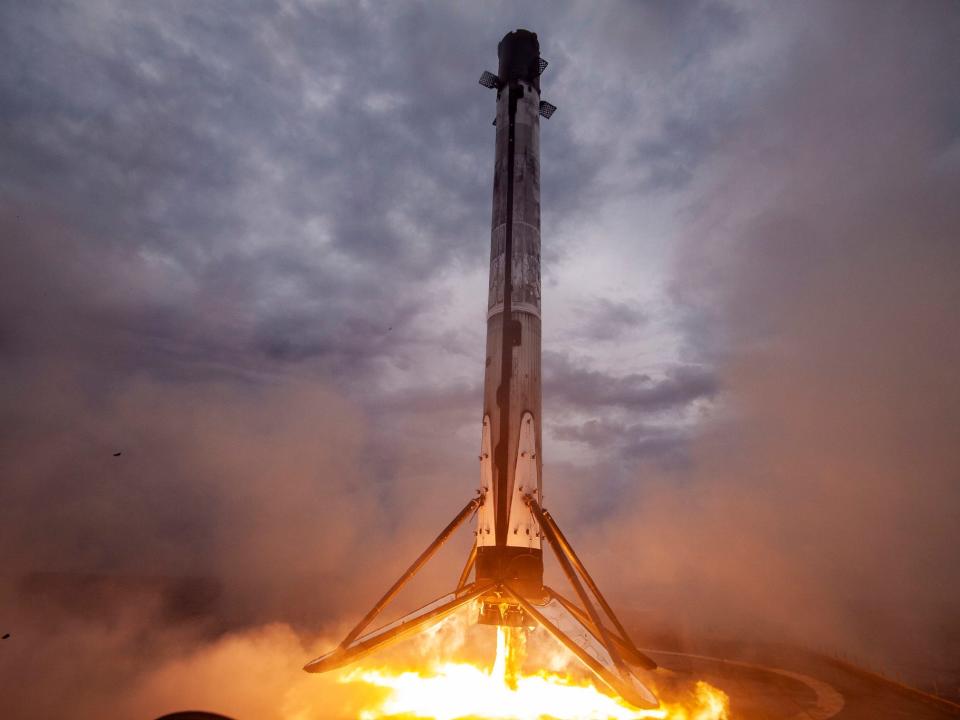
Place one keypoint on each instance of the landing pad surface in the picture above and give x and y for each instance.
(783, 684)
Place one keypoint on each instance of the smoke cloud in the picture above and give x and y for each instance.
(821, 502)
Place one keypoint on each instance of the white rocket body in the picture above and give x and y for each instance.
(508, 537)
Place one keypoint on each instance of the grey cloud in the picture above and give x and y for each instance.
(593, 432)
(671, 159)
(569, 384)
(212, 142)
(241, 152)
(604, 319)
(661, 90)
(630, 442)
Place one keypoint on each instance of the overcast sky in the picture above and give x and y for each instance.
(246, 244)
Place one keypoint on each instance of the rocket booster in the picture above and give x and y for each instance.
(508, 538)
(506, 560)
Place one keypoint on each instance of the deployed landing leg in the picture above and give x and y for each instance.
(608, 652)
(622, 640)
(355, 646)
(421, 619)
(581, 630)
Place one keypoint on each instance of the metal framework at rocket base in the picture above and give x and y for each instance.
(507, 558)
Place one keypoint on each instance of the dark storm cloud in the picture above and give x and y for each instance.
(212, 139)
(569, 384)
(302, 147)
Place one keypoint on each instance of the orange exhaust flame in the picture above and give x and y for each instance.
(461, 690)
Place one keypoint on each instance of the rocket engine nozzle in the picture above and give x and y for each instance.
(506, 614)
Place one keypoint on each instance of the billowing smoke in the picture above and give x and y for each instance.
(822, 272)
(172, 539)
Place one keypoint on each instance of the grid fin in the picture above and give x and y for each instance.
(547, 109)
(489, 80)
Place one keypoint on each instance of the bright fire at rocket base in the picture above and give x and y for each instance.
(452, 689)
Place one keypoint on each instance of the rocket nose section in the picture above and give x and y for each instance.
(519, 55)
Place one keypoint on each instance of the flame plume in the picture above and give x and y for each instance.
(461, 690)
